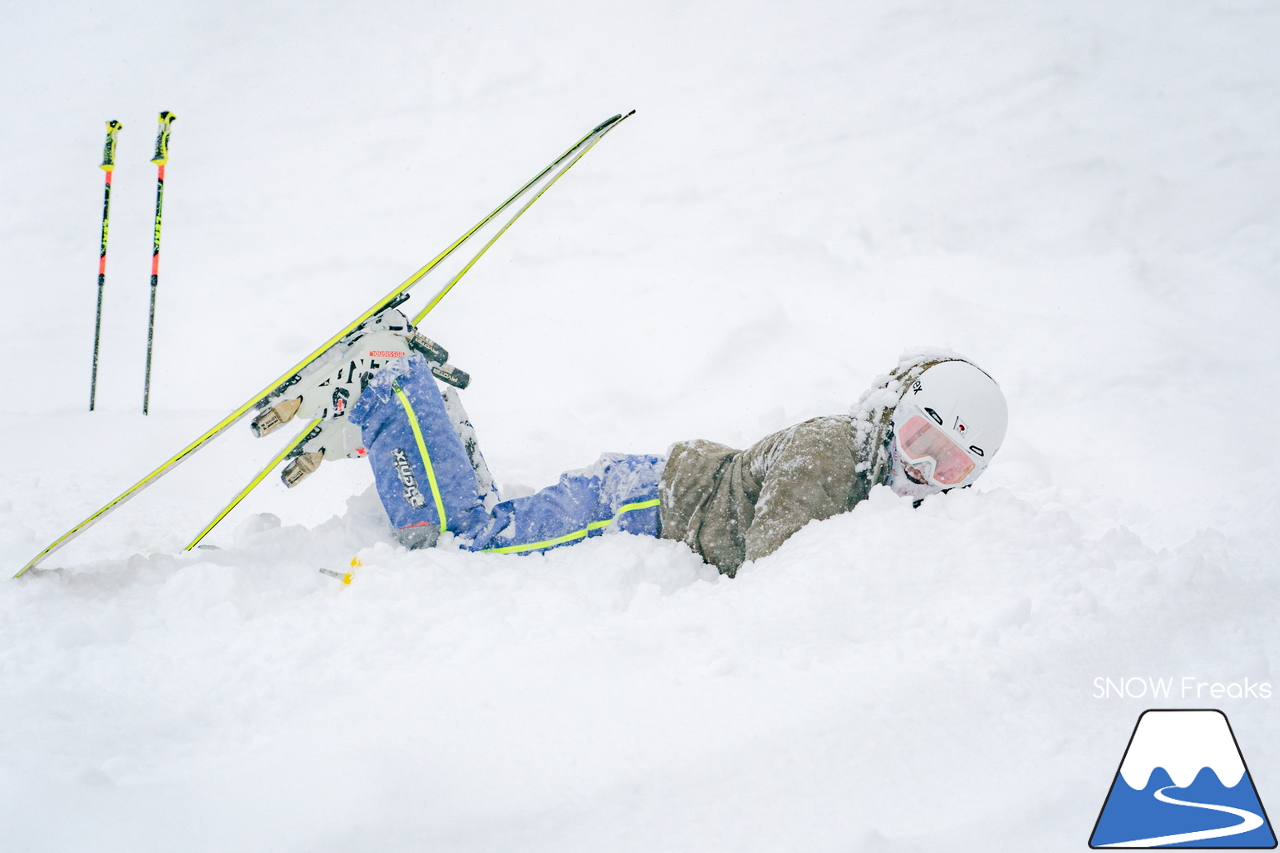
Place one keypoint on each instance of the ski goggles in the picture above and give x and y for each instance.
(919, 440)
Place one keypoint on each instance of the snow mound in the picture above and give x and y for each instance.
(616, 680)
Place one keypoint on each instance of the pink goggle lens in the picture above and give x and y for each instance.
(919, 438)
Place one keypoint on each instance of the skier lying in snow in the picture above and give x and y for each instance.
(931, 425)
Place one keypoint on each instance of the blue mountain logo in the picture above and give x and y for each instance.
(1183, 783)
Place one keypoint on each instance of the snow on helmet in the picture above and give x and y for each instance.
(947, 426)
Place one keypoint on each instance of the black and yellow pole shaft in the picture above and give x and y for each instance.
(108, 166)
(161, 158)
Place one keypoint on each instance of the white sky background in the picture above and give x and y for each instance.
(1084, 197)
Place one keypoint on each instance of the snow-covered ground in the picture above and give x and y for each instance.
(1084, 197)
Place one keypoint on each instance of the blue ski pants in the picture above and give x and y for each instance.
(428, 485)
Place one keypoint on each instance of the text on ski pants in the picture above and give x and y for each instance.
(427, 484)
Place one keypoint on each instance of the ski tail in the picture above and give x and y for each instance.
(571, 156)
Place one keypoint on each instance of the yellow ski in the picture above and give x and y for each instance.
(253, 484)
(582, 149)
(565, 160)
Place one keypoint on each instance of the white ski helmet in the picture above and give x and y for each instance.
(946, 428)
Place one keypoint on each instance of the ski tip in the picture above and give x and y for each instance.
(630, 114)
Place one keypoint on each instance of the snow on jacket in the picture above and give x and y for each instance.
(731, 505)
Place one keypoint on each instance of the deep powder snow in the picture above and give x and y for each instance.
(1081, 197)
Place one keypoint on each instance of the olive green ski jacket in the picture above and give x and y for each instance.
(731, 505)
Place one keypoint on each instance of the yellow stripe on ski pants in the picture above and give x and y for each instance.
(426, 457)
(577, 534)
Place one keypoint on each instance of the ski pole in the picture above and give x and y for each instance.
(162, 157)
(108, 166)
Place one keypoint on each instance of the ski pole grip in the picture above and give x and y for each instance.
(109, 150)
(162, 138)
